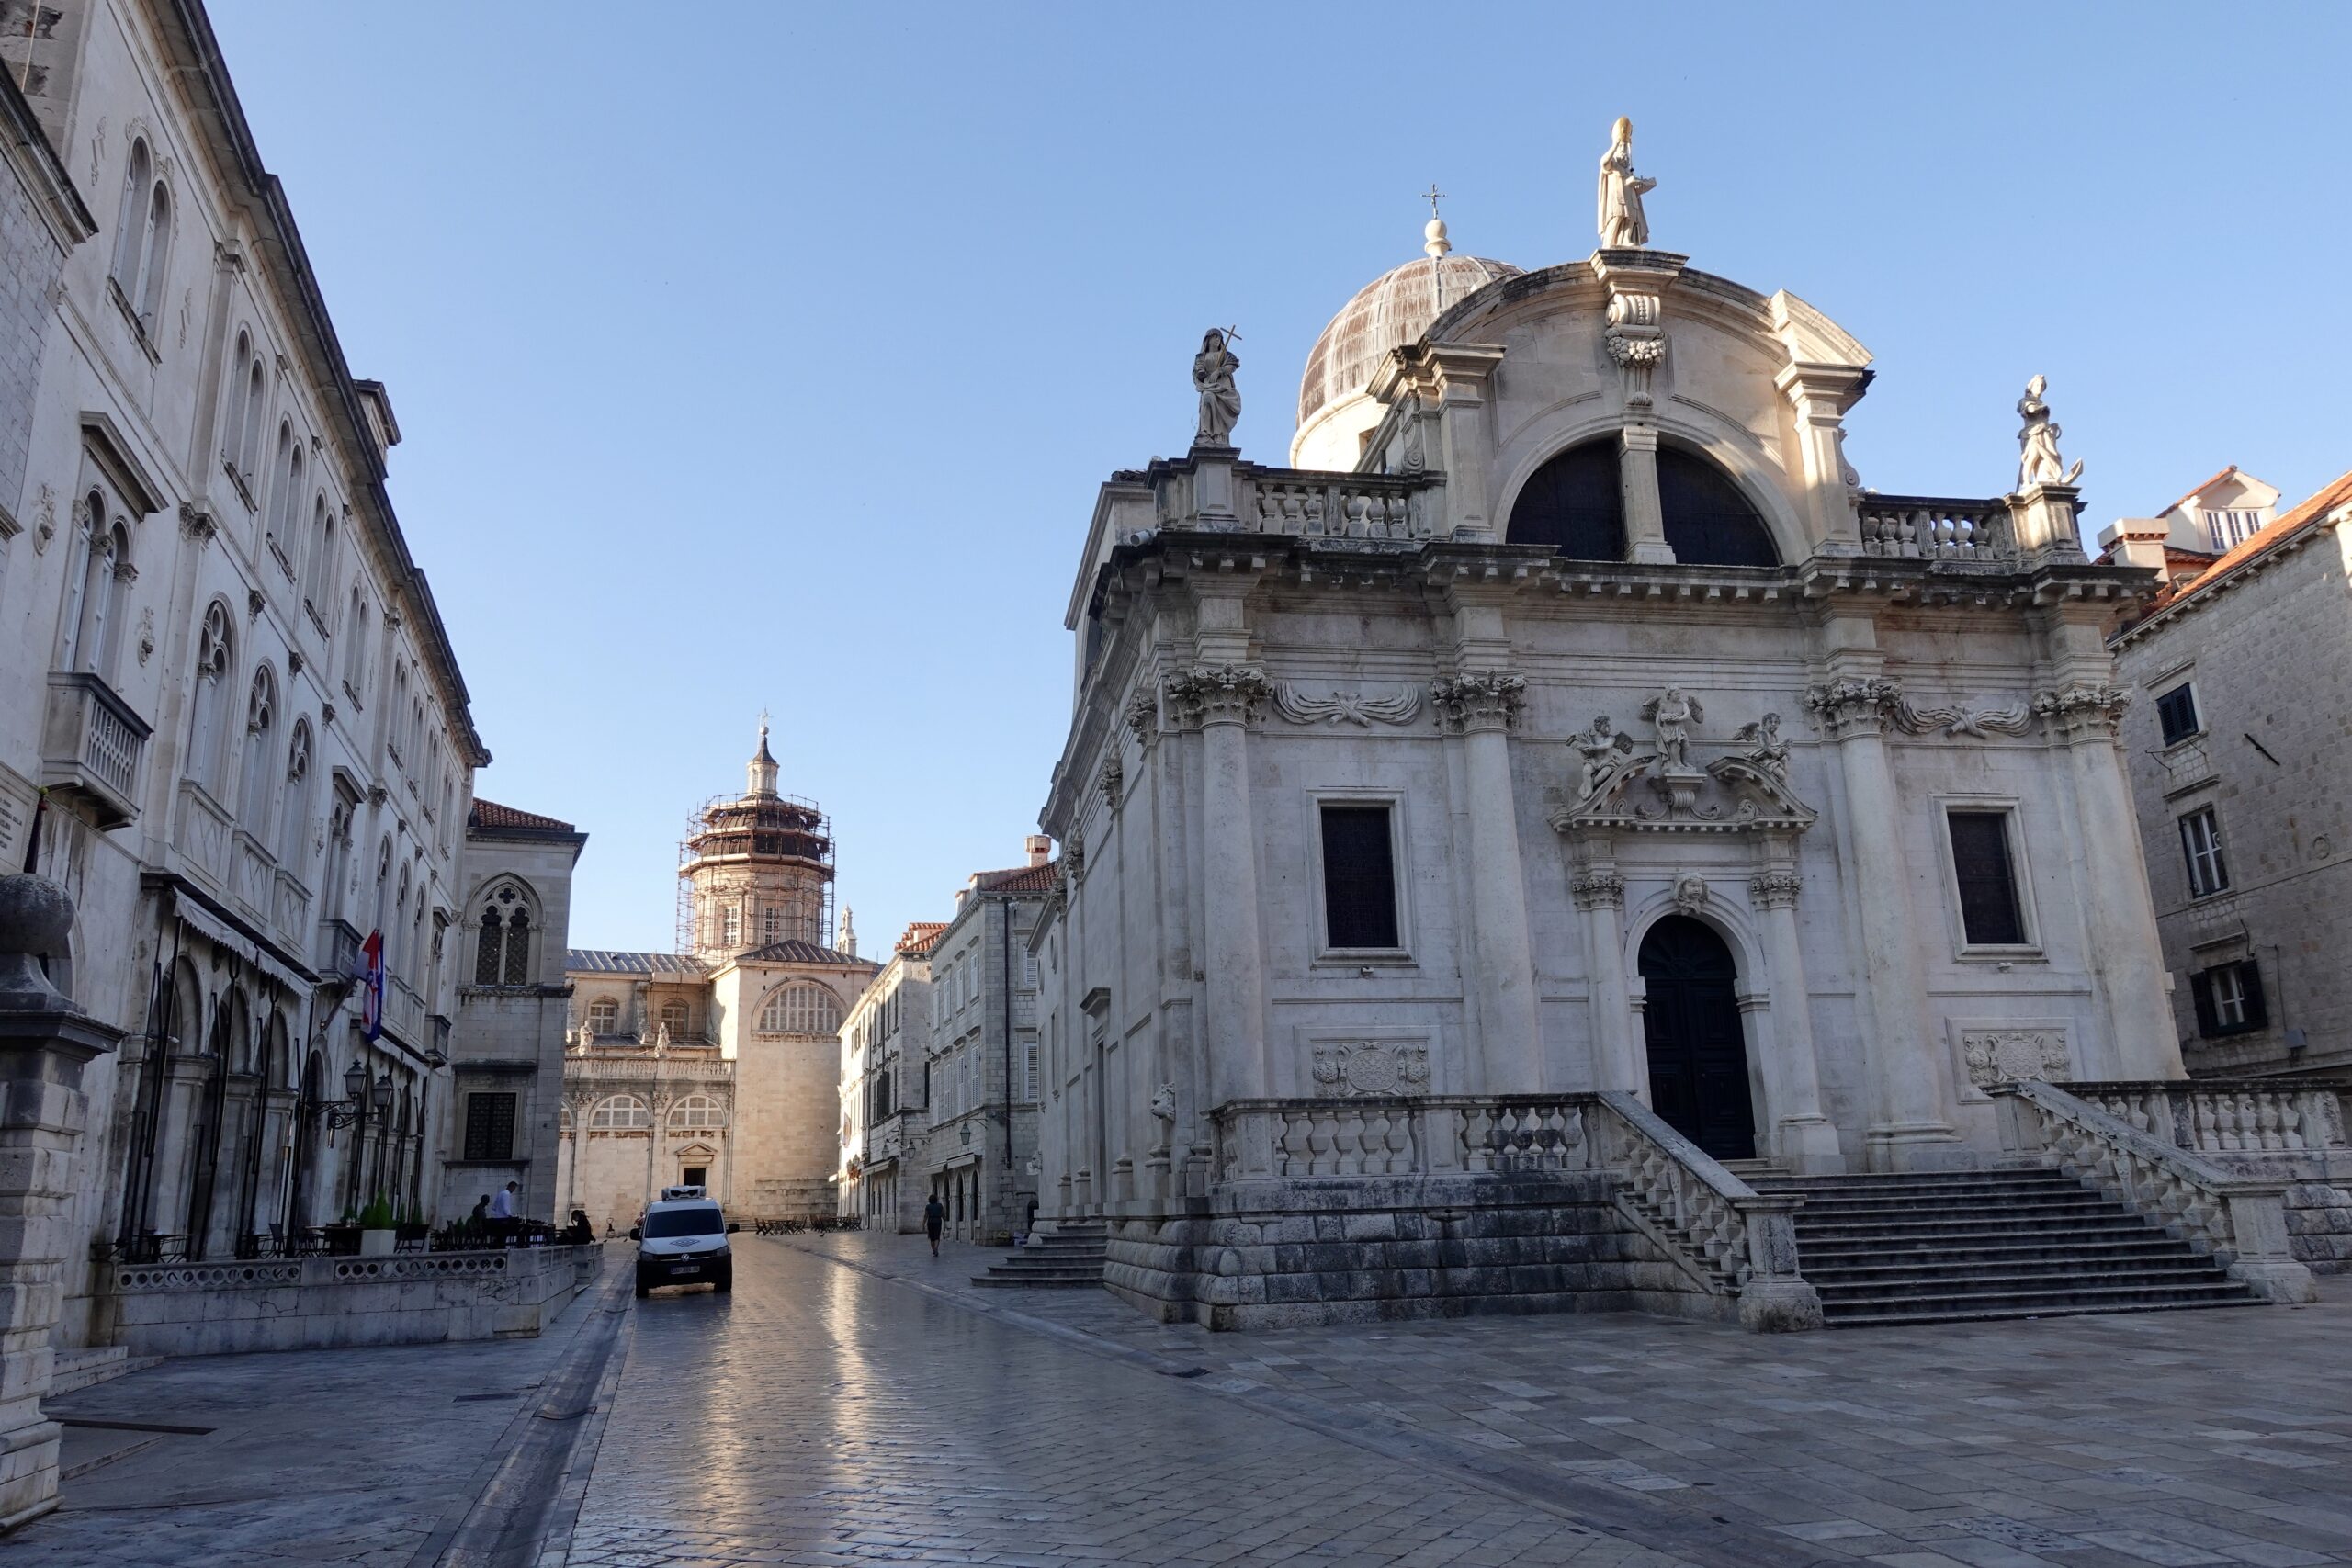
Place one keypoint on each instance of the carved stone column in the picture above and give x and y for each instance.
(1639, 282)
(1821, 394)
(2126, 954)
(1637, 484)
(45, 1041)
(1804, 1137)
(1220, 701)
(1483, 706)
(1911, 1124)
(1619, 1059)
(580, 1106)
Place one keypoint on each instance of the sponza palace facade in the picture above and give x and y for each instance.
(1568, 767)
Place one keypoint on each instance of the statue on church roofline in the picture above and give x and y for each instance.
(1213, 370)
(1624, 225)
(2039, 462)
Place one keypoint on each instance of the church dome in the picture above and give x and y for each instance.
(1392, 311)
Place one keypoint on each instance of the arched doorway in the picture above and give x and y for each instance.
(1697, 1055)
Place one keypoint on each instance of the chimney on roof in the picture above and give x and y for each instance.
(2137, 541)
(1041, 848)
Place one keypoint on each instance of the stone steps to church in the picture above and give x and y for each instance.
(1956, 1246)
(2089, 1245)
(1924, 1279)
(1962, 1306)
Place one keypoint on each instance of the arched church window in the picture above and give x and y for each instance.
(261, 747)
(698, 1112)
(491, 946)
(621, 1114)
(801, 1009)
(603, 1017)
(518, 947)
(1573, 503)
(1708, 521)
(213, 655)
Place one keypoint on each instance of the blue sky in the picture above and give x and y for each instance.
(766, 356)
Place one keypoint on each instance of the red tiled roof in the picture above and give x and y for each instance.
(918, 937)
(2201, 488)
(1020, 879)
(490, 815)
(2310, 514)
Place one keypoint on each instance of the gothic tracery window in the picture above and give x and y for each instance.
(503, 948)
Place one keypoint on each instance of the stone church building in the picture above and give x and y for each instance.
(1567, 770)
(719, 1064)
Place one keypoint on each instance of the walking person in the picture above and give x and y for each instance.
(934, 1215)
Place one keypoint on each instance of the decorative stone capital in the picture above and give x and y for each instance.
(1111, 781)
(196, 522)
(1218, 694)
(1143, 714)
(2080, 713)
(1598, 890)
(1479, 700)
(1774, 889)
(1853, 706)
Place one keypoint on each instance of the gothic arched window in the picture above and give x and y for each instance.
(489, 949)
(212, 659)
(142, 239)
(298, 799)
(518, 947)
(259, 775)
(249, 425)
(800, 1008)
(503, 948)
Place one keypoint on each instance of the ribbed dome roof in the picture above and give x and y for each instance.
(1390, 312)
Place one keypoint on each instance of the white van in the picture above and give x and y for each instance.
(682, 1240)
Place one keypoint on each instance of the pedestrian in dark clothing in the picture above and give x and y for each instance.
(934, 1215)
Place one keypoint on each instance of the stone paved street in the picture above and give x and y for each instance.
(858, 1401)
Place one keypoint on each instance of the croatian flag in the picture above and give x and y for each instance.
(371, 971)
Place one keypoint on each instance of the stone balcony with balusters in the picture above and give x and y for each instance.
(92, 746)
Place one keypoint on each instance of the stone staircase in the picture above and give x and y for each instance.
(1068, 1256)
(1961, 1246)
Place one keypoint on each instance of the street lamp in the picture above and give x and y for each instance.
(352, 1106)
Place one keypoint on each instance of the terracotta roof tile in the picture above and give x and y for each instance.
(918, 937)
(1021, 879)
(2310, 514)
(490, 816)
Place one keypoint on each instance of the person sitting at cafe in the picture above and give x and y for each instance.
(577, 1233)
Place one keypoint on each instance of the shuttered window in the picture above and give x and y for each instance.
(2176, 714)
(1989, 915)
(489, 1126)
(1359, 877)
(2200, 845)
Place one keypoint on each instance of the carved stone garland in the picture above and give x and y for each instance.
(1372, 1068)
(1347, 708)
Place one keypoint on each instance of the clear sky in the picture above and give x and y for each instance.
(767, 355)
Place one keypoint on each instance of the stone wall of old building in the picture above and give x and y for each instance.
(2265, 649)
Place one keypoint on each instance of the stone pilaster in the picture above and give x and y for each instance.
(1621, 1060)
(1803, 1136)
(1483, 706)
(1911, 1122)
(45, 1042)
(1221, 700)
(2126, 954)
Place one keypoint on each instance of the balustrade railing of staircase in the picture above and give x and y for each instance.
(2240, 1221)
(1733, 1241)
(2227, 1116)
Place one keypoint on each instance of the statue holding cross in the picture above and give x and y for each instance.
(1213, 370)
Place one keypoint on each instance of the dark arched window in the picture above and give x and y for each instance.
(1573, 504)
(486, 956)
(518, 947)
(1708, 521)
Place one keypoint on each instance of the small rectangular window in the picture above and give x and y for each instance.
(2177, 713)
(489, 1126)
(2200, 845)
(1359, 877)
(2228, 1000)
(1989, 914)
(1029, 1073)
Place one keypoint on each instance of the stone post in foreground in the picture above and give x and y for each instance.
(45, 1039)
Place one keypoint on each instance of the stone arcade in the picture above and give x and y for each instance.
(1568, 785)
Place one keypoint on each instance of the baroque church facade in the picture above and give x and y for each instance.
(1567, 759)
(718, 1066)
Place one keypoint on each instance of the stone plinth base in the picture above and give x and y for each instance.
(317, 1303)
(1279, 1254)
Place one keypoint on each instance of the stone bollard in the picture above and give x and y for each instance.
(45, 1039)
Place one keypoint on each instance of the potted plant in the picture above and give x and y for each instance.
(378, 1235)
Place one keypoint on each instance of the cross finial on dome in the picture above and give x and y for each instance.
(1434, 241)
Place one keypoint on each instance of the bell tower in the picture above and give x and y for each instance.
(759, 869)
